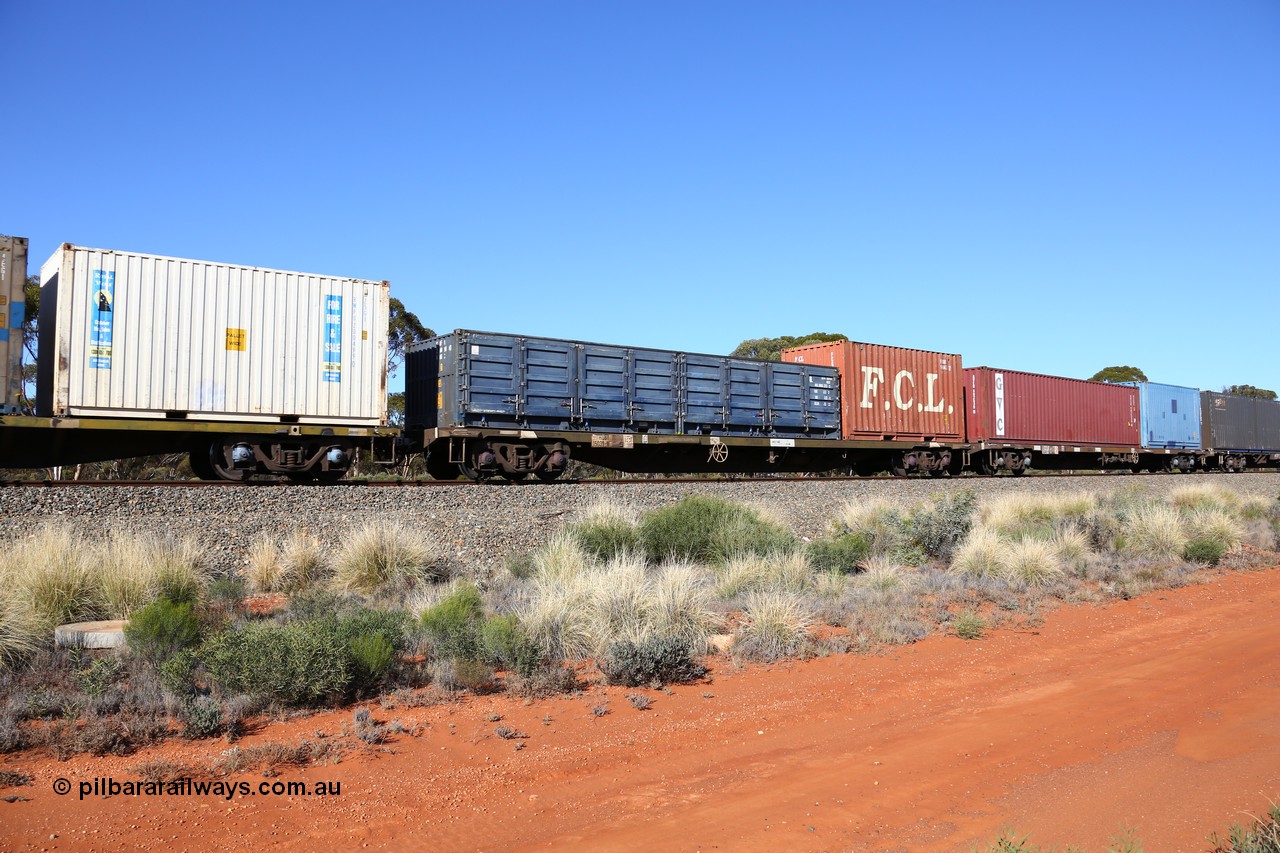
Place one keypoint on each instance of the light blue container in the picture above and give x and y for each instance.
(1170, 416)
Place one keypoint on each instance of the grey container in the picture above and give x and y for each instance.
(124, 334)
(1241, 424)
(13, 275)
(471, 379)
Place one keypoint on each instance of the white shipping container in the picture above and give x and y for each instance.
(13, 274)
(131, 335)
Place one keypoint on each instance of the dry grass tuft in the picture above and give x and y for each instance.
(385, 554)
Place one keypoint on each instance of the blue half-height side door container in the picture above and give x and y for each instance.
(497, 381)
(1170, 416)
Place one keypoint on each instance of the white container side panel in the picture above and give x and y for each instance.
(150, 335)
(13, 275)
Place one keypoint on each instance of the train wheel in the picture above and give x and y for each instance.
(1018, 472)
(549, 476)
(513, 476)
(439, 466)
(201, 466)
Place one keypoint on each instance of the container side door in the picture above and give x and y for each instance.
(748, 397)
(786, 397)
(706, 402)
(551, 383)
(653, 390)
(603, 372)
(489, 378)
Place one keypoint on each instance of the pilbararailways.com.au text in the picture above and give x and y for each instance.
(106, 788)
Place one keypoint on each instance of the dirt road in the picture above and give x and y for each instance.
(1160, 713)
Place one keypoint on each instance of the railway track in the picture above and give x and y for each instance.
(59, 484)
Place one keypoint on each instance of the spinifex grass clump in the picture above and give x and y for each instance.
(709, 530)
(384, 555)
(19, 629)
(53, 576)
(907, 535)
(776, 626)
(578, 607)
(606, 530)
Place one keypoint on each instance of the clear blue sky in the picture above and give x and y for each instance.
(1053, 187)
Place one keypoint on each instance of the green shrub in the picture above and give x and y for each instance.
(506, 644)
(709, 529)
(941, 525)
(390, 625)
(99, 675)
(1204, 549)
(657, 659)
(839, 553)
(320, 604)
(201, 717)
(1261, 836)
(605, 531)
(161, 629)
(177, 673)
(969, 626)
(454, 624)
(371, 659)
(298, 663)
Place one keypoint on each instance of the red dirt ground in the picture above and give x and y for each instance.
(1160, 713)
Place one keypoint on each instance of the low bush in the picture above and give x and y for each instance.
(371, 658)
(839, 552)
(657, 659)
(709, 529)
(940, 525)
(508, 645)
(1207, 550)
(1262, 835)
(161, 629)
(295, 664)
(969, 626)
(605, 530)
(454, 624)
(201, 717)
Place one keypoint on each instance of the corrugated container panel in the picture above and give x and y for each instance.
(892, 393)
(127, 334)
(1269, 425)
(1012, 407)
(1240, 423)
(1170, 415)
(13, 275)
(482, 379)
